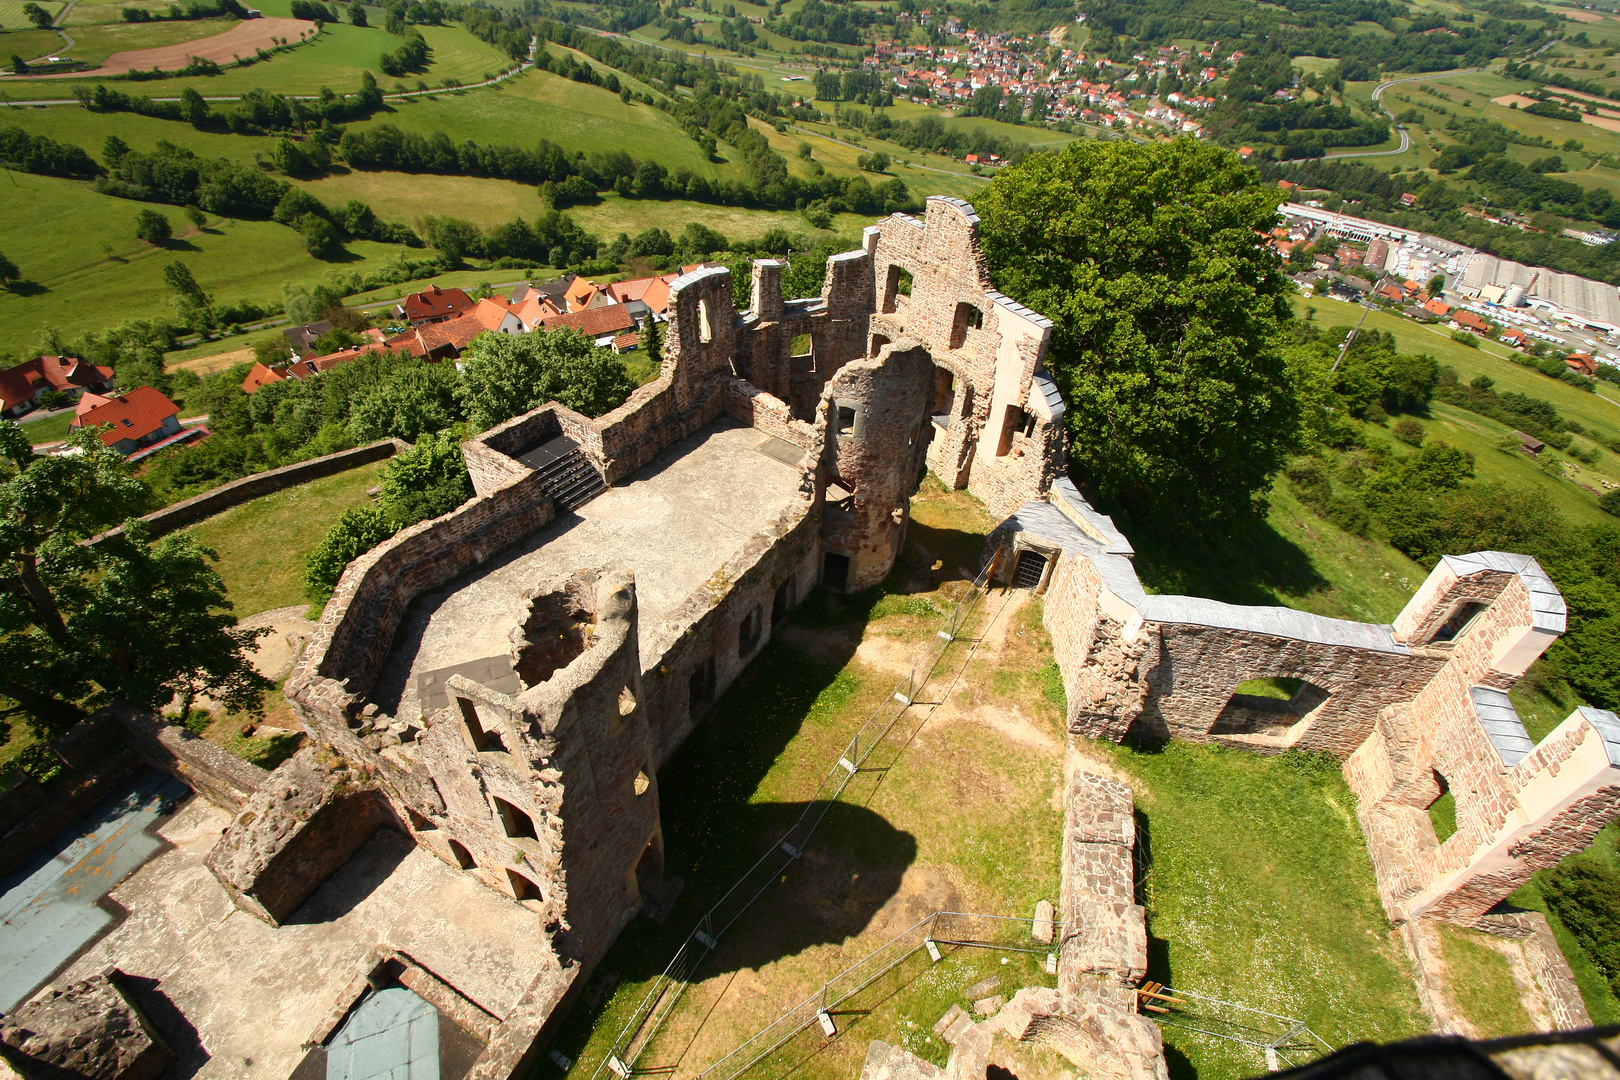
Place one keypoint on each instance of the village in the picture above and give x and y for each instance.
(1076, 87)
(433, 325)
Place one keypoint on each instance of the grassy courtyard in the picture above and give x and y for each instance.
(262, 544)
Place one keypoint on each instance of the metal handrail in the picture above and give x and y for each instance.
(667, 989)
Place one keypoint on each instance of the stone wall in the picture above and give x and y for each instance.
(990, 346)
(1104, 929)
(571, 755)
(770, 414)
(89, 1029)
(195, 509)
(221, 777)
(874, 415)
(311, 815)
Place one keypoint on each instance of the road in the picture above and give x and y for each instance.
(526, 65)
(1433, 76)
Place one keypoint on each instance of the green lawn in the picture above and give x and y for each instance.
(47, 429)
(1480, 984)
(1596, 992)
(29, 44)
(1286, 920)
(262, 544)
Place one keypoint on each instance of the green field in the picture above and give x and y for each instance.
(29, 44)
(262, 544)
(335, 59)
(47, 428)
(11, 12)
(1287, 920)
(539, 105)
(93, 44)
(84, 289)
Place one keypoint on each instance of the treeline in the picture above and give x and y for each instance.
(835, 24)
(39, 154)
(1530, 73)
(258, 112)
(931, 134)
(1249, 111)
(1320, 28)
(1428, 503)
(193, 10)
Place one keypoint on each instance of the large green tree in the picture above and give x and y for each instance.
(126, 618)
(504, 376)
(1170, 318)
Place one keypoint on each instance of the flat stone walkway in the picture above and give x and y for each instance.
(256, 992)
(673, 525)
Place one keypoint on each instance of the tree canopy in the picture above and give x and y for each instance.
(505, 376)
(1169, 320)
(125, 618)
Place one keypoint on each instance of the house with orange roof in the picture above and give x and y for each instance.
(433, 305)
(140, 420)
(496, 317)
(1513, 337)
(601, 324)
(643, 296)
(261, 375)
(1437, 306)
(1467, 320)
(531, 310)
(1581, 363)
(583, 294)
(21, 385)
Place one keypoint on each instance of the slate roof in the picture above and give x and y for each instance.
(1547, 609)
(1502, 725)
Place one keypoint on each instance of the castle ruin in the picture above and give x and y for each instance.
(502, 684)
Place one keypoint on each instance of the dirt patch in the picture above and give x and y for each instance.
(1513, 99)
(243, 39)
(207, 365)
(1580, 16)
(1607, 123)
(279, 649)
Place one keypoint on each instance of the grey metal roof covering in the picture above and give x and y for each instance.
(697, 275)
(1502, 725)
(908, 219)
(960, 204)
(808, 305)
(1029, 313)
(1607, 725)
(1547, 608)
(1042, 384)
(769, 262)
(845, 256)
(1047, 521)
(1101, 525)
(1274, 621)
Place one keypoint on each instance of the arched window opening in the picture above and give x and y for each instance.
(478, 736)
(1459, 622)
(643, 783)
(705, 328)
(517, 823)
(464, 857)
(748, 633)
(522, 887)
(968, 317)
(627, 702)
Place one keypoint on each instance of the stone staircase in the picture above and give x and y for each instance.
(571, 480)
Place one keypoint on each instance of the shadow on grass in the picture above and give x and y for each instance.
(1240, 562)
(717, 822)
(27, 288)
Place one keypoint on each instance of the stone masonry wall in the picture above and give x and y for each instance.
(879, 456)
(195, 509)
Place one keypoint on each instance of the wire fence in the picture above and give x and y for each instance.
(1282, 1039)
(942, 928)
(667, 989)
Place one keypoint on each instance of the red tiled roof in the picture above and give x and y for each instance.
(594, 322)
(134, 415)
(1470, 320)
(19, 383)
(435, 303)
(456, 333)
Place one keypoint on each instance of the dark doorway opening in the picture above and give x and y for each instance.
(782, 602)
(835, 571)
(700, 687)
(1031, 567)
